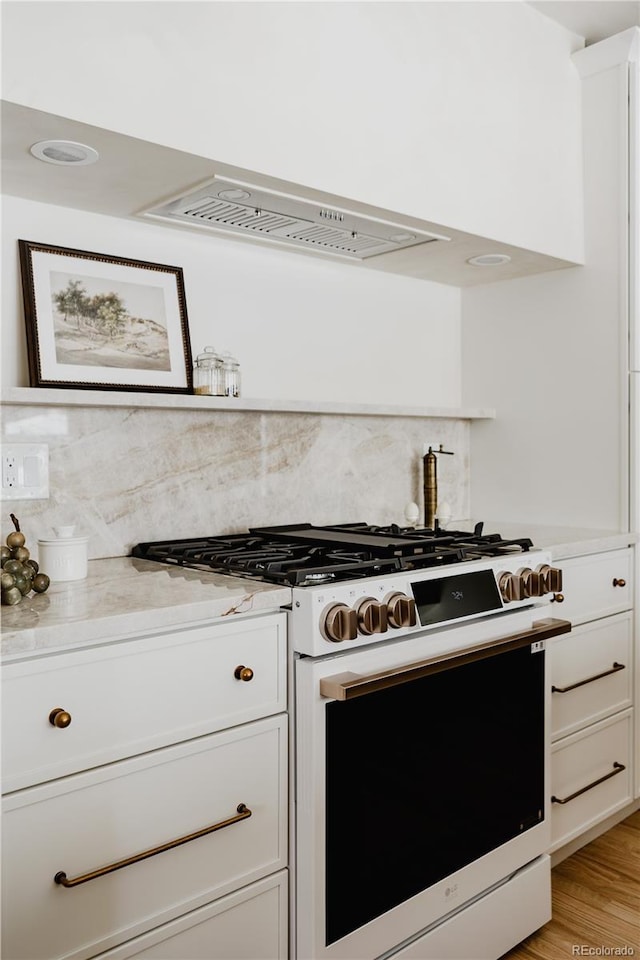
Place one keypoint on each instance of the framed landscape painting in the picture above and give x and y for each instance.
(103, 322)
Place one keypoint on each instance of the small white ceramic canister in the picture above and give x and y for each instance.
(64, 558)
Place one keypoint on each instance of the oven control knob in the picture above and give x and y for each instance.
(401, 610)
(551, 578)
(372, 616)
(511, 587)
(339, 623)
(532, 582)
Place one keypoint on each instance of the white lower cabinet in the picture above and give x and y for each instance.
(596, 585)
(177, 852)
(592, 707)
(249, 925)
(138, 695)
(590, 777)
(592, 669)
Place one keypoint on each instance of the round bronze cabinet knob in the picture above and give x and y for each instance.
(557, 598)
(243, 673)
(59, 718)
(619, 582)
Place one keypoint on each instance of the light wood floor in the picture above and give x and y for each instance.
(596, 901)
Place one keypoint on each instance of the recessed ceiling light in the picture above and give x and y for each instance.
(489, 260)
(236, 194)
(402, 237)
(64, 153)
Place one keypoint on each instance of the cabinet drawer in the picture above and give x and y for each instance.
(591, 673)
(246, 925)
(124, 698)
(577, 763)
(592, 585)
(91, 820)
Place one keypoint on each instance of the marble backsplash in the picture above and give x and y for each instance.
(128, 474)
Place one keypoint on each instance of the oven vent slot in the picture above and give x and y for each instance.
(242, 209)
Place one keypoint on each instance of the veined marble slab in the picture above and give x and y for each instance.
(122, 597)
(124, 475)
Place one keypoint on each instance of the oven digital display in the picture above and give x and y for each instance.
(449, 598)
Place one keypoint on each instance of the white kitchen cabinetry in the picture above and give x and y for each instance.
(595, 586)
(129, 697)
(592, 672)
(211, 933)
(153, 822)
(634, 212)
(610, 72)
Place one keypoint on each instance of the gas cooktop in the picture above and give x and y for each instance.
(302, 554)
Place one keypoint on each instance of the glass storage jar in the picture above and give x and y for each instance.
(230, 375)
(207, 373)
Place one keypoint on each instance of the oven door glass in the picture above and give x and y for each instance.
(427, 776)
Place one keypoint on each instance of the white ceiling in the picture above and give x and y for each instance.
(592, 19)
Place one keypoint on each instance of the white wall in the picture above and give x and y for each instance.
(543, 352)
(302, 328)
(461, 113)
(549, 352)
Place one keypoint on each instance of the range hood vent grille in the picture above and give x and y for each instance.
(290, 220)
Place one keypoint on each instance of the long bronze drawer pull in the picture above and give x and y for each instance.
(597, 676)
(617, 768)
(63, 880)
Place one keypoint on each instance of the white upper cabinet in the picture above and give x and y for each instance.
(613, 65)
(634, 210)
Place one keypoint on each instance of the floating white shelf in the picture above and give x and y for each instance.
(53, 397)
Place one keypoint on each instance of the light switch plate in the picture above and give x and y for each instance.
(25, 471)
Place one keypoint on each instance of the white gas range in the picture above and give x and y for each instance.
(420, 733)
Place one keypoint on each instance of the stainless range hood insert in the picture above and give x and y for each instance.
(230, 206)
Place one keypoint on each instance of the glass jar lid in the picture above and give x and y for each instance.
(208, 358)
(229, 360)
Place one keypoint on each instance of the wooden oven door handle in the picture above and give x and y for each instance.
(347, 686)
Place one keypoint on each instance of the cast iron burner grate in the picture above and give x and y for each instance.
(474, 543)
(303, 555)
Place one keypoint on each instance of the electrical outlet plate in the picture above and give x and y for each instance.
(25, 471)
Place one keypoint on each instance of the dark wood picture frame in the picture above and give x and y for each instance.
(99, 322)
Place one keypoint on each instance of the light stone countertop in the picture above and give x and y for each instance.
(563, 542)
(123, 597)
